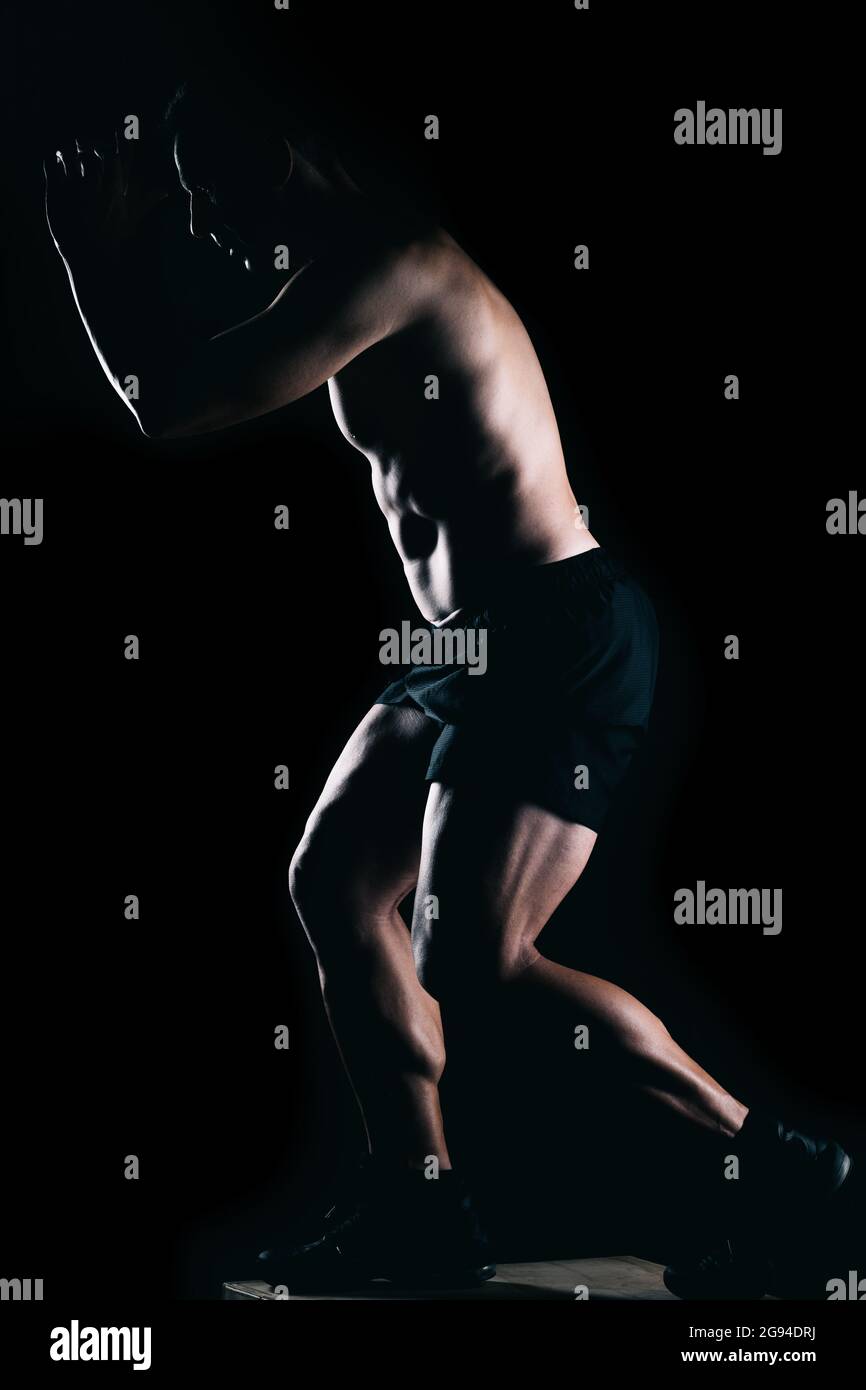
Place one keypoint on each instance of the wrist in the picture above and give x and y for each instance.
(93, 256)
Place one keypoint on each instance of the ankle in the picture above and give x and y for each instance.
(429, 1164)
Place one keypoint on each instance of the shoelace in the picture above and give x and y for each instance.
(717, 1258)
(335, 1221)
(725, 1257)
(798, 1144)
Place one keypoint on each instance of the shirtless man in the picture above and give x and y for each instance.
(483, 792)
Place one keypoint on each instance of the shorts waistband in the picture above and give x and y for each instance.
(592, 573)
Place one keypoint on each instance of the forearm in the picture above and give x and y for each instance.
(133, 328)
(99, 216)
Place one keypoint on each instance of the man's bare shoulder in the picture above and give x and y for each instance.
(429, 279)
(375, 286)
(384, 276)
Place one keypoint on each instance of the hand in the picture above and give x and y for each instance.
(93, 200)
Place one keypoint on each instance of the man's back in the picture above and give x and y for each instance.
(453, 412)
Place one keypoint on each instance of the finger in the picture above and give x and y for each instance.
(103, 142)
(87, 158)
(71, 162)
(78, 157)
(52, 167)
(91, 165)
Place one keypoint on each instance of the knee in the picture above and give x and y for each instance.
(317, 883)
(461, 959)
(324, 865)
(336, 897)
(304, 881)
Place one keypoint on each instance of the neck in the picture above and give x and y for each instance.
(321, 211)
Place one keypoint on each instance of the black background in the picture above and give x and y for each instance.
(260, 647)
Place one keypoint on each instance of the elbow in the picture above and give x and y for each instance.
(155, 425)
(169, 416)
(173, 430)
(151, 430)
(159, 416)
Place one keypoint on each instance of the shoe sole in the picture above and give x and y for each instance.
(357, 1276)
(749, 1293)
(840, 1172)
(451, 1279)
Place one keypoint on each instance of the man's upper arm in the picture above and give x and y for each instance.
(328, 314)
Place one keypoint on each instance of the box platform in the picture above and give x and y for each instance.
(609, 1278)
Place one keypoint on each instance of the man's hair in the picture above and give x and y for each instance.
(227, 102)
(215, 104)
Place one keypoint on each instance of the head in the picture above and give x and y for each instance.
(255, 176)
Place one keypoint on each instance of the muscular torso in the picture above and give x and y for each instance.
(453, 414)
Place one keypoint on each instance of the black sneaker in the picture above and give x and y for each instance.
(400, 1226)
(785, 1179)
(728, 1271)
(780, 1167)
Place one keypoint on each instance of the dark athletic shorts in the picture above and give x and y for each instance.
(572, 650)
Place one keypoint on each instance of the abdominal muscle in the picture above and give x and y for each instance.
(461, 564)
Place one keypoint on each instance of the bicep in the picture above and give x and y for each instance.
(321, 321)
